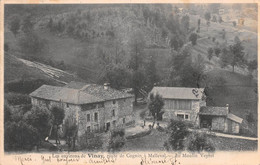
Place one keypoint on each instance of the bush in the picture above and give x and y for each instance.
(24, 86)
(19, 135)
(138, 135)
(193, 38)
(89, 141)
(17, 99)
(199, 142)
(118, 132)
(178, 131)
(40, 118)
(117, 140)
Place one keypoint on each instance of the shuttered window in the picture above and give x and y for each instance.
(178, 104)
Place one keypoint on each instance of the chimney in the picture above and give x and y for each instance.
(106, 86)
(227, 106)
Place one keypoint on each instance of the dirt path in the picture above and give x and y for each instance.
(51, 72)
(225, 135)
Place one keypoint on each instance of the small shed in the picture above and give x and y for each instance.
(219, 119)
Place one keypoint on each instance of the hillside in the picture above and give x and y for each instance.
(17, 68)
(239, 91)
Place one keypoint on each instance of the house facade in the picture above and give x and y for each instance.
(91, 107)
(181, 103)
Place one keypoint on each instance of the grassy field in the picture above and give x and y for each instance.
(155, 141)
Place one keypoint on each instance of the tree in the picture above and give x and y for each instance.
(15, 25)
(193, 38)
(58, 116)
(151, 73)
(252, 65)
(71, 131)
(185, 21)
(137, 44)
(178, 131)
(138, 80)
(217, 51)
(207, 17)
(31, 44)
(225, 58)
(214, 18)
(237, 54)
(155, 105)
(175, 42)
(27, 24)
(220, 20)
(199, 142)
(223, 34)
(118, 77)
(198, 25)
(50, 25)
(233, 55)
(210, 53)
(41, 119)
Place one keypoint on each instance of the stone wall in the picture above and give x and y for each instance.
(235, 127)
(123, 113)
(218, 123)
(193, 113)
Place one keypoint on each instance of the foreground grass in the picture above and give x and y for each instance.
(227, 144)
(155, 141)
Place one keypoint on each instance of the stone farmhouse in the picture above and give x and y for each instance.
(180, 102)
(189, 104)
(93, 107)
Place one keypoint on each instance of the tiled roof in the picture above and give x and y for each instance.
(67, 95)
(234, 118)
(79, 94)
(179, 93)
(106, 94)
(214, 111)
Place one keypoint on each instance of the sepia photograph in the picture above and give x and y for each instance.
(94, 78)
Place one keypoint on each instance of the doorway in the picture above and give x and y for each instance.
(107, 126)
(205, 121)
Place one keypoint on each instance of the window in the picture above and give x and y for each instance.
(96, 117)
(181, 116)
(113, 113)
(88, 128)
(114, 101)
(123, 120)
(88, 117)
